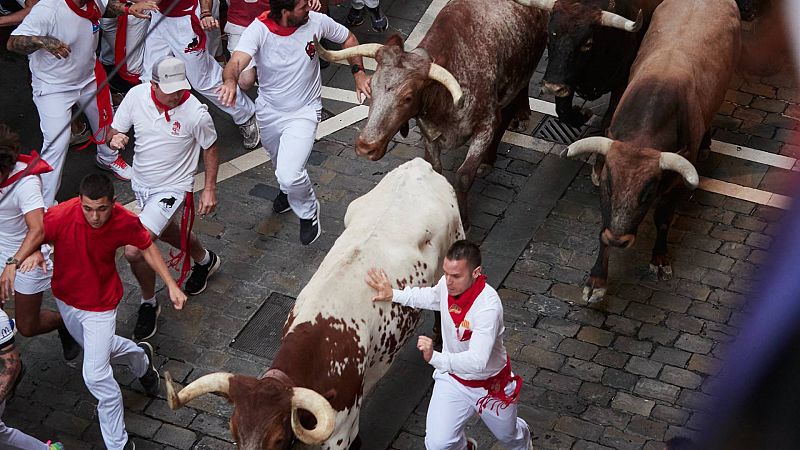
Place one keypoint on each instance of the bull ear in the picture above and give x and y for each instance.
(404, 129)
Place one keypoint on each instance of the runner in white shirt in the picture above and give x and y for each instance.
(21, 223)
(60, 37)
(171, 129)
(281, 42)
(472, 372)
(181, 33)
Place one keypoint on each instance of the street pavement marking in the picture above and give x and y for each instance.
(751, 154)
(745, 193)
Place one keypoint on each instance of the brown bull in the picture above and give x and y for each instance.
(677, 83)
(481, 53)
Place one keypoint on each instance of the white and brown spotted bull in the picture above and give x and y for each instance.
(481, 53)
(337, 343)
(677, 83)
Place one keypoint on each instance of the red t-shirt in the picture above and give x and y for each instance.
(85, 270)
(243, 13)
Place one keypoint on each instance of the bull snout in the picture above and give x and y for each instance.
(622, 241)
(370, 150)
(557, 89)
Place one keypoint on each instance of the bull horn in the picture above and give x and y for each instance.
(609, 19)
(318, 406)
(681, 165)
(338, 55)
(594, 144)
(440, 74)
(213, 382)
(541, 4)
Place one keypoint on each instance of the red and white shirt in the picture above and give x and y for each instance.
(478, 358)
(166, 152)
(55, 19)
(288, 67)
(16, 200)
(85, 270)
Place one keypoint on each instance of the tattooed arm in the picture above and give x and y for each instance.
(25, 45)
(10, 366)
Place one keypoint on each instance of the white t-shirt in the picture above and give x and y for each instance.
(478, 358)
(165, 153)
(54, 18)
(288, 70)
(16, 200)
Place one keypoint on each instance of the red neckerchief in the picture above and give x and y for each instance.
(164, 107)
(120, 49)
(458, 307)
(92, 12)
(275, 27)
(35, 166)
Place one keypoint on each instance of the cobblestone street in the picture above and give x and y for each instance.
(626, 373)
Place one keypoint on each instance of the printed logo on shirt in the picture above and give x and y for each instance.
(192, 47)
(168, 203)
(311, 50)
(95, 27)
(455, 309)
(176, 128)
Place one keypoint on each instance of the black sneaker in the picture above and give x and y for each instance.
(379, 21)
(355, 17)
(150, 380)
(281, 203)
(129, 446)
(69, 346)
(198, 280)
(146, 323)
(310, 228)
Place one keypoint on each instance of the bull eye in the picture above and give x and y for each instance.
(587, 45)
(407, 99)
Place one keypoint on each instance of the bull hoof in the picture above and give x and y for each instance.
(484, 169)
(661, 272)
(593, 295)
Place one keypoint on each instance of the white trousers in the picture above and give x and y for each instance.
(358, 4)
(234, 33)
(452, 404)
(289, 138)
(13, 439)
(172, 37)
(133, 49)
(94, 331)
(55, 115)
(214, 35)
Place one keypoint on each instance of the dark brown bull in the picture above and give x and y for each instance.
(677, 83)
(487, 48)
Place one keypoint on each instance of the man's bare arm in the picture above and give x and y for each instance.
(25, 45)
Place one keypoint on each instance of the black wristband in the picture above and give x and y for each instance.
(355, 68)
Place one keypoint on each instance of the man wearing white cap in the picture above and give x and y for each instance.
(171, 127)
(178, 29)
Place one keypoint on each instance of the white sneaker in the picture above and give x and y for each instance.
(80, 137)
(250, 134)
(119, 167)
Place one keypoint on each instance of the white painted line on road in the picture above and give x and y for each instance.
(424, 24)
(745, 193)
(342, 120)
(542, 106)
(751, 154)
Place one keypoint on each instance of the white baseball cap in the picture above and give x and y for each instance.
(170, 74)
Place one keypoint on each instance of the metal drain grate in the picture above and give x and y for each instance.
(553, 130)
(261, 336)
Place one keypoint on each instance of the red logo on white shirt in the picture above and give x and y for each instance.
(176, 128)
(311, 50)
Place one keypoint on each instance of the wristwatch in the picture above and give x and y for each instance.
(12, 261)
(355, 68)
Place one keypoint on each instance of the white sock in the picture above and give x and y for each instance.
(206, 259)
(151, 301)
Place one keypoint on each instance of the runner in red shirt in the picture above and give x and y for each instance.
(86, 232)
